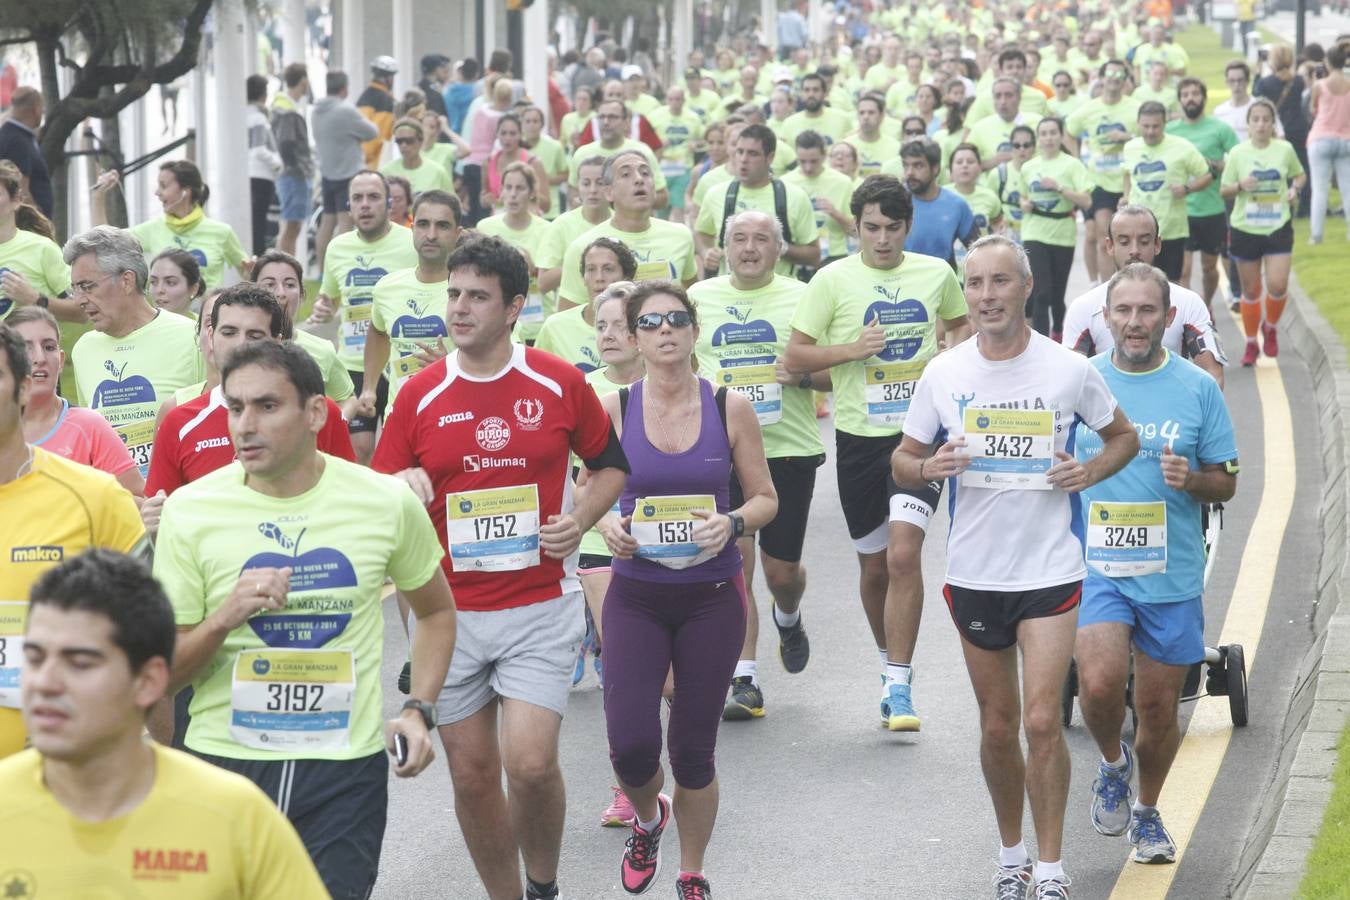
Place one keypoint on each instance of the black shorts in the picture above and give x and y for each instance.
(1102, 199)
(337, 806)
(794, 478)
(335, 197)
(593, 561)
(1209, 234)
(988, 619)
(360, 424)
(1171, 256)
(1248, 247)
(867, 491)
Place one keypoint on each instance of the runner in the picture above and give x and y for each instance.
(423, 174)
(611, 117)
(184, 225)
(1146, 557)
(406, 306)
(1007, 400)
(1012, 66)
(93, 802)
(984, 204)
(592, 210)
(993, 133)
(354, 263)
(136, 356)
(50, 422)
(829, 192)
(571, 333)
(194, 438)
(942, 219)
(1133, 238)
(830, 123)
(677, 599)
(745, 319)
(32, 272)
(872, 320)
(664, 251)
(508, 151)
(1160, 171)
(176, 282)
(681, 133)
(1263, 177)
(874, 148)
(550, 153)
(275, 565)
(55, 509)
(484, 436)
(519, 226)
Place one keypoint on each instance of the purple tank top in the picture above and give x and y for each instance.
(705, 468)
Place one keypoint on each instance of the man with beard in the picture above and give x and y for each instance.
(829, 122)
(941, 216)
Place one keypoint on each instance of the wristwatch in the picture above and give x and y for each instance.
(737, 524)
(427, 710)
(43, 300)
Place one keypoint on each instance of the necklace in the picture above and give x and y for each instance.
(673, 446)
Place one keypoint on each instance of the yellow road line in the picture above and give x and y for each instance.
(1206, 742)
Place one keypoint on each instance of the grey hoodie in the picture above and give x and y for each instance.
(339, 130)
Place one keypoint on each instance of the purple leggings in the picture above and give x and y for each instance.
(649, 625)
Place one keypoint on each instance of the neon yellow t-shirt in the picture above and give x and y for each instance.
(126, 379)
(1153, 170)
(200, 832)
(743, 329)
(341, 538)
(1070, 174)
(832, 124)
(39, 261)
(351, 269)
(569, 335)
(677, 133)
(538, 306)
(837, 188)
(570, 125)
(1167, 96)
(337, 381)
(1033, 103)
(562, 231)
(443, 155)
(430, 175)
(214, 245)
(54, 512)
(1266, 209)
(665, 252)
(592, 542)
(555, 162)
(408, 310)
(1096, 118)
(993, 135)
(801, 218)
(872, 155)
(595, 148)
(907, 300)
(719, 175)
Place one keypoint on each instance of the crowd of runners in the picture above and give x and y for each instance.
(565, 388)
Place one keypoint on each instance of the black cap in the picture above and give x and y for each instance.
(433, 61)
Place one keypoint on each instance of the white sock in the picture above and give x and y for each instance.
(899, 673)
(881, 652)
(1119, 763)
(1141, 808)
(1046, 870)
(745, 667)
(786, 620)
(1013, 856)
(650, 826)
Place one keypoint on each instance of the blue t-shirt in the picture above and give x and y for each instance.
(1180, 405)
(938, 223)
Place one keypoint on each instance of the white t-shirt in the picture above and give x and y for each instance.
(1190, 334)
(1236, 117)
(1004, 539)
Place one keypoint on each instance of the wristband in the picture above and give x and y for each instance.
(805, 383)
(737, 525)
(43, 300)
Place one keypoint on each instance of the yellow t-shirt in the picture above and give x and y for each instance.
(53, 513)
(200, 832)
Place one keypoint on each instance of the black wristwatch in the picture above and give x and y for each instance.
(427, 710)
(43, 300)
(737, 524)
(805, 383)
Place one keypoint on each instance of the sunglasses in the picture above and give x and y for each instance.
(678, 318)
(1021, 145)
(909, 133)
(406, 140)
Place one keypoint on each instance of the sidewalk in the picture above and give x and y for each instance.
(1321, 29)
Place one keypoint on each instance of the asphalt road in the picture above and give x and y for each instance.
(819, 801)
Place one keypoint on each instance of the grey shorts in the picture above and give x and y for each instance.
(526, 653)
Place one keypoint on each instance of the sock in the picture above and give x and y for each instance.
(900, 673)
(881, 652)
(1046, 870)
(688, 873)
(1141, 808)
(539, 889)
(1251, 316)
(1013, 856)
(649, 827)
(1119, 764)
(744, 668)
(786, 620)
(1274, 308)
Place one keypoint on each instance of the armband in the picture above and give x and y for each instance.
(1232, 467)
(611, 457)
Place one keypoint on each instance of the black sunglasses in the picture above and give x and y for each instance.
(406, 140)
(678, 318)
(1021, 146)
(909, 133)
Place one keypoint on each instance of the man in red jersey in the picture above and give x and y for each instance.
(194, 439)
(483, 436)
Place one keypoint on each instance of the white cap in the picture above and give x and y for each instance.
(631, 71)
(384, 64)
(782, 74)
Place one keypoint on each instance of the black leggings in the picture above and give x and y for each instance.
(1050, 265)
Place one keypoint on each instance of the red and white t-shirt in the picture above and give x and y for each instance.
(514, 430)
(194, 440)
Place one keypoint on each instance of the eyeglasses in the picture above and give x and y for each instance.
(1063, 84)
(87, 287)
(405, 140)
(910, 133)
(678, 318)
(1021, 145)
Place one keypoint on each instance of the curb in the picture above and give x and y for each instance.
(1276, 856)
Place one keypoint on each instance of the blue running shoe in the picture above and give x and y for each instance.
(587, 643)
(1111, 796)
(897, 709)
(1152, 843)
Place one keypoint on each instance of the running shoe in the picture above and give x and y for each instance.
(1270, 344)
(1250, 355)
(746, 701)
(599, 670)
(794, 648)
(693, 887)
(1055, 888)
(587, 643)
(1152, 843)
(532, 894)
(897, 709)
(405, 678)
(619, 813)
(642, 854)
(1235, 304)
(1012, 882)
(1110, 812)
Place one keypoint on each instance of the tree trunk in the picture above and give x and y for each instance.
(51, 87)
(111, 131)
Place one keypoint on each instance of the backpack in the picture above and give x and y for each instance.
(779, 209)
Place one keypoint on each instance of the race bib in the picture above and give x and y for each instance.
(13, 621)
(758, 384)
(533, 311)
(1010, 449)
(1125, 539)
(140, 440)
(664, 529)
(406, 367)
(887, 389)
(293, 700)
(1264, 215)
(355, 324)
(655, 271)
(1109, 160)
(493, 530)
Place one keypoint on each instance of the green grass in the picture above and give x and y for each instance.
(1329, 863)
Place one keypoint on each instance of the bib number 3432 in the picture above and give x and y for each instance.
(1010, 449)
